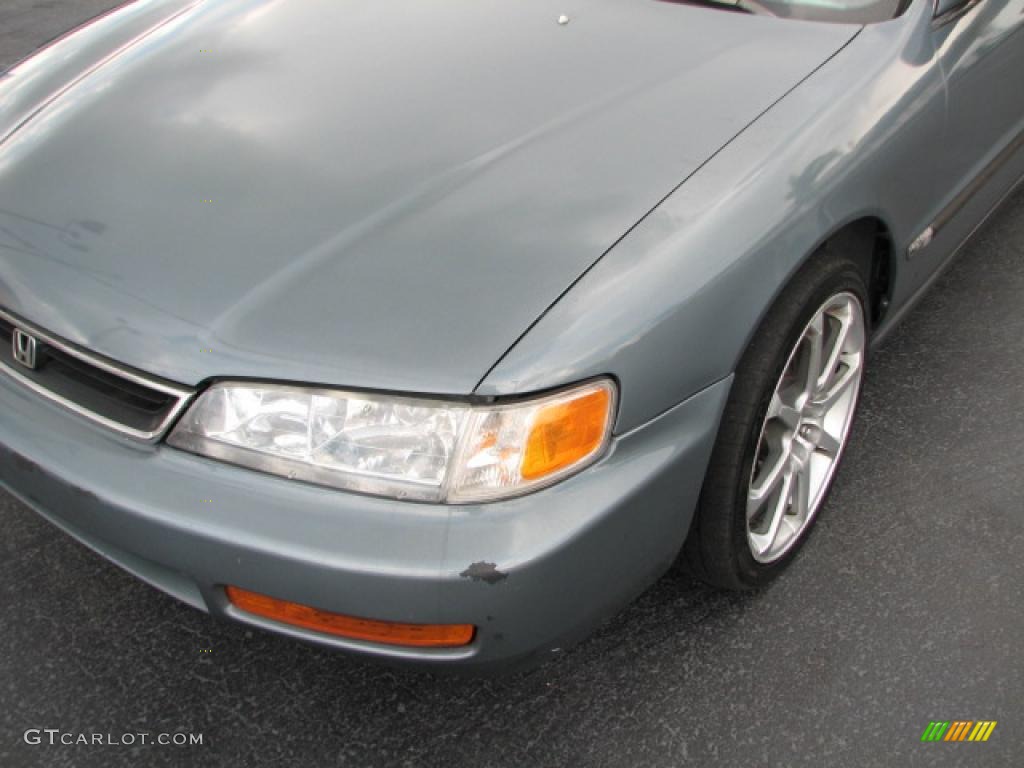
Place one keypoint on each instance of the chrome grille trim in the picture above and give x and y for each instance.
(181, 395)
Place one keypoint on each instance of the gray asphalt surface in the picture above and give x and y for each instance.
(905, 607)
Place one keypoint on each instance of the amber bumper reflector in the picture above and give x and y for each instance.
(388, 632)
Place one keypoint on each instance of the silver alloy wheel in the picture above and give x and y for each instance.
(806, 427)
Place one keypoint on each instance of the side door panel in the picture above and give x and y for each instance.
(982, 57)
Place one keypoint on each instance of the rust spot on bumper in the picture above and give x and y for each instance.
(482, 571)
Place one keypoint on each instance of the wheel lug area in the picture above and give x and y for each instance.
(805, 427)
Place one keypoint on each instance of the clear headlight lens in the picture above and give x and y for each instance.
(407, 448)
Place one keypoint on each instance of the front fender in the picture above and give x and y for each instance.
(670, 309)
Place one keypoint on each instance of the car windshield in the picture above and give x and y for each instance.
(848, 11)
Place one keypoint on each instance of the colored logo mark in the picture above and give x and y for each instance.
(959, 730)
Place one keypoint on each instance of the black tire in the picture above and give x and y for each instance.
(716, 550)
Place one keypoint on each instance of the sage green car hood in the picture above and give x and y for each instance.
(372, 193)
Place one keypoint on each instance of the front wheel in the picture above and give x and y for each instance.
(784, 428)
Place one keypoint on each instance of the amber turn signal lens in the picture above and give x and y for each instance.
(565, 432)
(387, 632)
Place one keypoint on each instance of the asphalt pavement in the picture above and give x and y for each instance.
(907, 606)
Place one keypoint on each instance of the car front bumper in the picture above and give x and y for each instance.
(533, 574)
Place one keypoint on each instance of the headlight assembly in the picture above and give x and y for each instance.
(402, 447)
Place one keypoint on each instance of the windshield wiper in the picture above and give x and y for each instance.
(725, 5)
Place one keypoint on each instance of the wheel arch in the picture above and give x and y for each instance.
(867, 237)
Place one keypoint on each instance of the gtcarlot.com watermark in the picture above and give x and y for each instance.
(55, 736)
